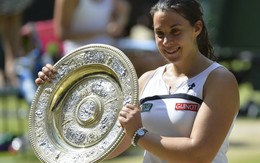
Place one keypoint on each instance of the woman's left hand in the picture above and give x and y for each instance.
(130, 119)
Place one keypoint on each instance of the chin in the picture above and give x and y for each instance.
(173, 58)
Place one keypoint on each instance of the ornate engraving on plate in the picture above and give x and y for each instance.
(88, 110)
(74, 118)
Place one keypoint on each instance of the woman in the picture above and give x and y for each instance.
(188, 106)
(11, 12)
(81, 22)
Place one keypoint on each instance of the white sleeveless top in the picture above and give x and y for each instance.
(91, 16)
(173, 115)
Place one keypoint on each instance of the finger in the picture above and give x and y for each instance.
(43, 77)
(47, 70)
(122, 121)
(50, 67)
(130, 106)
(39, 81)
(123, 114)
(41, 74)
(133, 107)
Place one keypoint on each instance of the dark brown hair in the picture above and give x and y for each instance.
(191, 10)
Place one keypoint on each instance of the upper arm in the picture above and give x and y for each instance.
(217, 112)
(121, 6)
(121, 11)
(63, 14)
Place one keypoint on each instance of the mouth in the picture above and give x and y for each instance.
(172, 51)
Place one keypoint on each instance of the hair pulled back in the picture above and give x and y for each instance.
(191, 10)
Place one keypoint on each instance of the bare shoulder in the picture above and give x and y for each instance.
(222, 86)
(223, 77)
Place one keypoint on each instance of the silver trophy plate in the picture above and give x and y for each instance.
(75, 117)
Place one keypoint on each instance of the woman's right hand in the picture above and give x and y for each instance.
(46, 75)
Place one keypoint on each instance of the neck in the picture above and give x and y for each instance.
(191, 67)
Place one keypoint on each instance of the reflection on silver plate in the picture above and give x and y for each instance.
(74, 118)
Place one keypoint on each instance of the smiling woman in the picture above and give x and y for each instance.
(182, 124)
(186, 118)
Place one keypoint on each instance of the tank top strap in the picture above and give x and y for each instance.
(157, 73)
(212, 67)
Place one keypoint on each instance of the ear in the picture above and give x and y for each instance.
(198, 27)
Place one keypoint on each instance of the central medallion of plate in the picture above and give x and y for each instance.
(88, 110)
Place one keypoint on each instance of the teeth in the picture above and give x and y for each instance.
(172, 51)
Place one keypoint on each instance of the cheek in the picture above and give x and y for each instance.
(158, 41)
(159, 44)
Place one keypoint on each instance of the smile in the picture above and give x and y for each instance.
(172, 51)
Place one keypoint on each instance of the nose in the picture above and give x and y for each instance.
(167, 40)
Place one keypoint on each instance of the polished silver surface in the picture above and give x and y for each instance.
(74, 118)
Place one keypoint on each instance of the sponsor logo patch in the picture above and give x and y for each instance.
(191, 86)
(187, 106)
(146, 107)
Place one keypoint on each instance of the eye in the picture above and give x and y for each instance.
(175, 32)
(159, 34)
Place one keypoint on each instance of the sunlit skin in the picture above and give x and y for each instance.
(176, 41)
(172, 37)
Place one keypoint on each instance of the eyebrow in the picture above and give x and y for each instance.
(175, 25)
(172, 26)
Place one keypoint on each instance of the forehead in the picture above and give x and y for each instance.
(168, 18)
